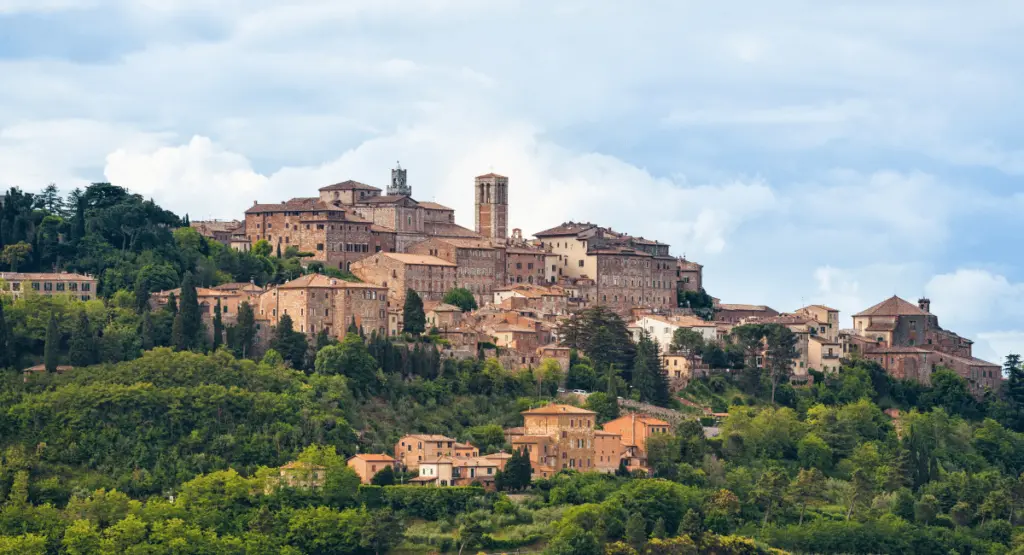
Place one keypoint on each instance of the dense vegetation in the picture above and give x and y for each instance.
(164, 442)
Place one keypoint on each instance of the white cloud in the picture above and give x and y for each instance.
(22, 6)
(974, 297)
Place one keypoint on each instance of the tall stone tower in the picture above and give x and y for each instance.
(492, 206)
(399, 184)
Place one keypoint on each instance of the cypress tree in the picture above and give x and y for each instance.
(178, 338)
(82, 345)
(245, 331)
(188, 309)
(141, 294)
(218, 327)
(414, 319)
(51, 348)
(6, 355)
(636, 531)
(352, 328)
(147, 331)
(322, 339)
(289, 343)
(172, 304)
(648, 378)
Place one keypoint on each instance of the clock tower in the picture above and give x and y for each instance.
(492, 206)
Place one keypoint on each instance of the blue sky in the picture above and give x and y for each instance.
(835, 152)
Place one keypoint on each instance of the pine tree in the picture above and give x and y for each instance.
(5, 353)
(82, 344)
(289, 343)
(414, 319)
(659, 529)
(218, 327)
(188, 309)
(245, 331)
(51, 348)
(146, 332)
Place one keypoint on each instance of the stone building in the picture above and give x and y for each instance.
(16, 284)
(689, 275)
(413, 449)
(492, 206)
(480, 267)
(429, 276)
(441, 315)
(662, 328)
(635, 429)
(218, 230)
(627, 271)
(734, 313)
(524, 263)
(367, 465)
(559, 436)
(317, 302)
(230, 296)
(900, 336)
(331, 233)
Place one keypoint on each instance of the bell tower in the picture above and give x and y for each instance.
(492, 206)
(399, 184)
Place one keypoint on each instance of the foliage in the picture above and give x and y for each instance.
(460, 297)
(414, 320)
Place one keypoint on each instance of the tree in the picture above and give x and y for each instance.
(351, 359)
(926, 509)
(648, 378)
(462, 298)
(385, 531)
(245, 330)
(574, 540)
(518, 471)
(779, 355)
(806, 489)
(82, 344)
(51, 348)
(146, 333)
(172, 303)
(188, 312)
(218, 327)
(813, 452)
(386, 477)
(470, 531)
(291, 344)
(141, 293)
(951, 392)
(770, 491)
(663, 454)
(581, 376)
(601, 334)
(688, 342)
(15, 255)
(6, 354)
(262, 248)
(606, 406)
(636, 531)
(414, 319)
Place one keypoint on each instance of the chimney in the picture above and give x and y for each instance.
(925, 304)
(255, 202)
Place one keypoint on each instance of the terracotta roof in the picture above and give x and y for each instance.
(300, 204)
(349, 186)
(430, 437)
(381, 229)
(42, 368)
(438, 460)
(822, 307)
(459, 445)
(687, 265)
(444, 307)
(439, 229)
(530, 439)
(893, 306)
(604, 433)
(434, 206)
(386, 199)
(238, 286)
(558, 409)
(750, 307)
(63, 276)
(680, 321)
(499, 455)
(320, 280)
(568, 228)
(423, 479)
(822, 340)
(417, 259)
(900, 351)
(373, 457)
(490, 175)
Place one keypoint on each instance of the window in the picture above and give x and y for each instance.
(319, 246)
(47, 286)
(581, 263)
(85, 297)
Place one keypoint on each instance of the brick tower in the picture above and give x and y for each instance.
(492, 206)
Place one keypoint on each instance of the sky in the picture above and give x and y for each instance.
(804, 152)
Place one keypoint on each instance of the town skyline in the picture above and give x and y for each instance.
(893, 170)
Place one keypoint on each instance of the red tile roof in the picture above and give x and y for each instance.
(349, 186)
(893, 306)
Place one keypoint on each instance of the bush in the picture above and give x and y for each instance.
(430, 503)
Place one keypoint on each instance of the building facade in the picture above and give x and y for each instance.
(492, 206)
(429, 276)
(17, 284)
(480, 267)
(316, 302)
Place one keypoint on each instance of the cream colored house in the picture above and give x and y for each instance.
(663, 328)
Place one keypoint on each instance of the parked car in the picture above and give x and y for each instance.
(580, 392)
